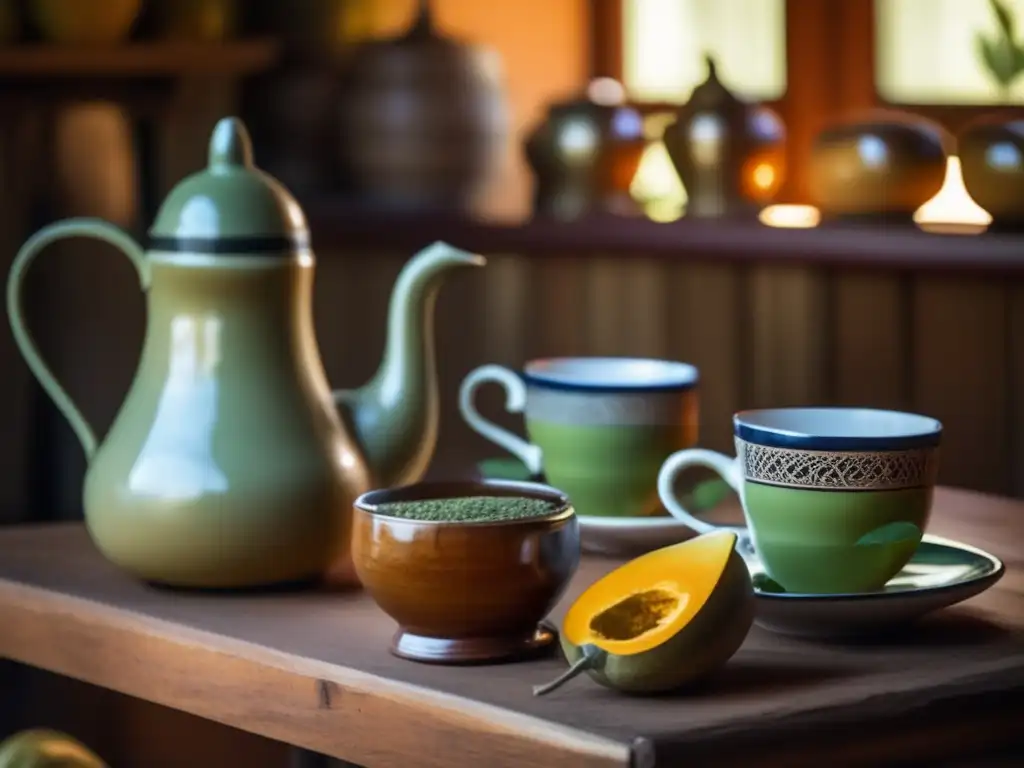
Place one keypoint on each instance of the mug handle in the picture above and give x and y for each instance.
(98, 230)
(515, 402)
(725, 466)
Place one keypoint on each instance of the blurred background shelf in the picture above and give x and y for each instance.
(341, 225)
(134, 60)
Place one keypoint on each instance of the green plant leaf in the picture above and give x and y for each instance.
(1005, 20)
(999, 60)
(899, 532)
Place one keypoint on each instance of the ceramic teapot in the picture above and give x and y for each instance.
(231, 463)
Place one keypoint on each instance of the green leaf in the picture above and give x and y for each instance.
(999, 60)
(1005, 20)
(900, 532)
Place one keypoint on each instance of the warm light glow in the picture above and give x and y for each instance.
(606, 91)
(656, 178)
(790, 216)
(952, 209)
(763, 176)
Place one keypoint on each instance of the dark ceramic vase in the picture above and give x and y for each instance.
(292, 110)
(880, 168)
(729, 154)
(991, 153)
(584, 156)
(423, 119)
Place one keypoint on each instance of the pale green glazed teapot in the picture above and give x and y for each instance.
(231, 463)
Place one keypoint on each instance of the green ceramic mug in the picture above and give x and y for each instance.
(599, 428)
(835, 499)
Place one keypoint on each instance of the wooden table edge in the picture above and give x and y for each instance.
(328, 708)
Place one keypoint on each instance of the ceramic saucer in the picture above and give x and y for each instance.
(941, 573)
(620, 536)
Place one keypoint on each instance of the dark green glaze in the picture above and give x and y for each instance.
(228, 464)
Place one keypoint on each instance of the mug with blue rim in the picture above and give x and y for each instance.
(835, 499)
(599, 428)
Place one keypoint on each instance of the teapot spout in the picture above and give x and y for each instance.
(394, 416)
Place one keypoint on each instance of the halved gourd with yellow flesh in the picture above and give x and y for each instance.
(43, 748)
(663, 620)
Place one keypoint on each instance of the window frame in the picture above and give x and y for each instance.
(830, 73)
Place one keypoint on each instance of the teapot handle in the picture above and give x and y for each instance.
(94, 228)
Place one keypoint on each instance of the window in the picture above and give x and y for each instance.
(663, 47)
(926, 51)
(811, 60)
(664, 42)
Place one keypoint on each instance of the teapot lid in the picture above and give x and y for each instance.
(230, 207)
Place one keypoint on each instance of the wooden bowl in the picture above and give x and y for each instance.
(466, 592)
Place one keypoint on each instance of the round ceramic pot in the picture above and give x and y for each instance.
(992, 161)
(729, 153)
(884, 166)
(84, 22)
(584, 156)
(423, 120)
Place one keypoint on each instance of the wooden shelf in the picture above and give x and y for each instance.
(312, 669)
(137, 60)
(339, 226)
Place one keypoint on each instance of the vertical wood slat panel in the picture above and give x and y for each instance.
(503, 317)
(557, 313)
(871, 346)
(1015, 388)
(606, 306)
(626, 307)
(18, 149)
(705, 329)
(959, 375)
(461, 336)
(509, 301)
(788, 323)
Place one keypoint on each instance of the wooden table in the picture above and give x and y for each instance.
(312, 669)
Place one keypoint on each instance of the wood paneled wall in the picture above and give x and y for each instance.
(948, 346)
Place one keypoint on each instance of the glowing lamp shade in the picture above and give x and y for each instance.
(952, 208)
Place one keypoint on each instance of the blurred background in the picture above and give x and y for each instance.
(814, 201)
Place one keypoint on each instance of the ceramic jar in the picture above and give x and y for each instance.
(991, 153)
(423, 119)
(84, 22)
(729, 154)
(293, 109)
(584, 155)
(885, 165)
